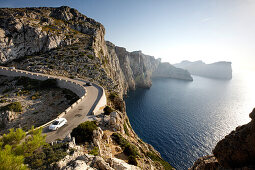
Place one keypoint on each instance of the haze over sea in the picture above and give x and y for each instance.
(184, 120)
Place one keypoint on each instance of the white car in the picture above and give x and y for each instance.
(57, 124)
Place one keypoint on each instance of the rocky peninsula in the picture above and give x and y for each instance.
(218, 70)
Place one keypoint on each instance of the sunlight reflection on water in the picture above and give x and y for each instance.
(184, 120)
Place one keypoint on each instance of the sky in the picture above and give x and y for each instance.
(174, 30)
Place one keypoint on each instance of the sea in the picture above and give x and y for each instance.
(184, 120)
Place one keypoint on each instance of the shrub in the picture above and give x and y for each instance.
(94, 151)
(129, 149)
(35, 96)
(84, 132)
(108, 110)
(132, 160)
(126, 129)
(153, 156)
(3, 101)
(90, 56)
(16, 107)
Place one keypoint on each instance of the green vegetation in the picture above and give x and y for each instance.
(126, 129)
(84, 132)
(132, 160)
(117, 102)
(35, 96)
(90, 56)
(94, 151)
(3, 101)
(15, 106)
(113, 95)
(108, 110)
(21, 151)
(129, 149)
(22, 92)
(153, 156)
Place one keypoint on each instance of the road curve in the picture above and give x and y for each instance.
(80, 113)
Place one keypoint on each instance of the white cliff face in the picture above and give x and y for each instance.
(218, 70)
(139, 68)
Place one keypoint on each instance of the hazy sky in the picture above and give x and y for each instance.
(174, 30)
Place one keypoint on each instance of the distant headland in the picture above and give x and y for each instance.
(218, 70)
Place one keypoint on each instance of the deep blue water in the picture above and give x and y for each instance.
(184, 120)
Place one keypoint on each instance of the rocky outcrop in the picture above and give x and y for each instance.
(237, 148)
(218, 70)
(235, 151)
(25, 31)
(166, 70)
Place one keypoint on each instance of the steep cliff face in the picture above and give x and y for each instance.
(167, 70)
(235, 151)
(219, 70)
(25, 31)
(139, 68)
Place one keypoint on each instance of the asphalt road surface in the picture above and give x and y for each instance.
(80, 113)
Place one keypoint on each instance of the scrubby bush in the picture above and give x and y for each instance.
(84, 132)
(90, 56)
(94, 151)
(153, 156)
(126, 129)
(117, 102)
(16, 107)
(108, 110)
(129, 149)
(132, 160)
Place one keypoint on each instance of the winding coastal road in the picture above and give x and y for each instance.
(78, 114)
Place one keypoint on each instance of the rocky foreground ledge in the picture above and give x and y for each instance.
(235, 151)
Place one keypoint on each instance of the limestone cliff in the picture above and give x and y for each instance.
(219, 70)
(139, 68)
(235, 151)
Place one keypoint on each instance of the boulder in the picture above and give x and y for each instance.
(118, 164)
(99, 163)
